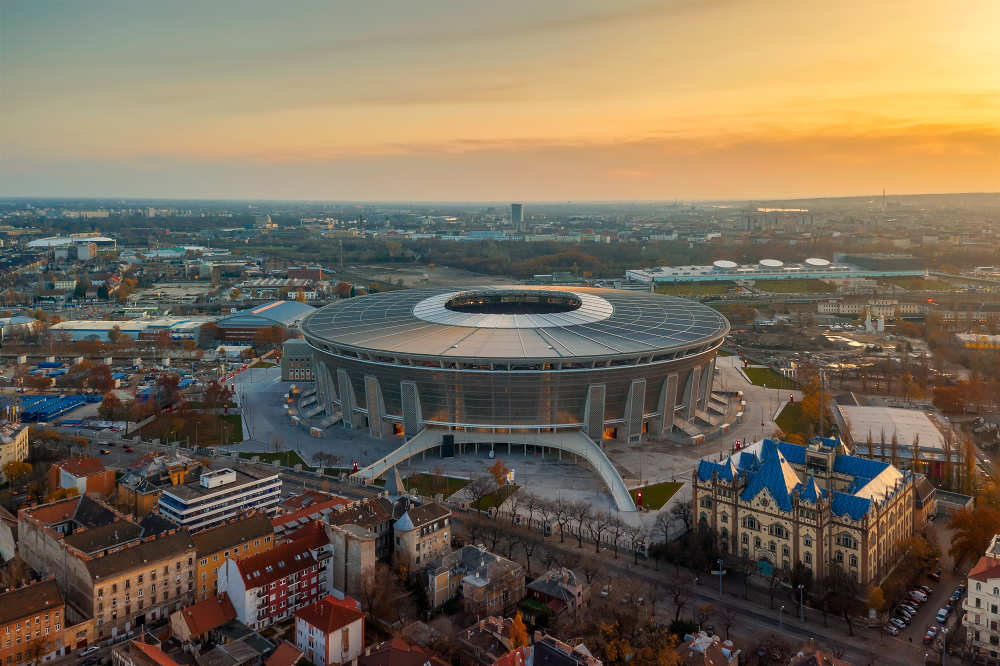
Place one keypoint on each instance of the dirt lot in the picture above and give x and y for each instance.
(786, 338)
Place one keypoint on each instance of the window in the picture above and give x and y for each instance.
(256, 543)
(725, 533)
(809, 558)
(854, 560)
(809, 541)
(746, 539)
(756, 542)
(725, 518)
(979, 586)
(215, 558)
(203, 562)
(840, 556)
(773, 547)
(784, 551)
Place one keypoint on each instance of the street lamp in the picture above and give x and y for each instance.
(802, 608)
(944, 645)
(720, 578)
(780, 628)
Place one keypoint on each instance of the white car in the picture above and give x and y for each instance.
(87, 651)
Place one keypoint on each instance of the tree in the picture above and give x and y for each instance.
(679, 595)
(876, 601)
(36, 649)
(169, 388)
(499, 472)
(580, 512)
(79, 373)
(15, 470)
(61, 493)
(728, 614)
(102, 292)
(971, 533)
(841, 593)
(743, 566)
(480, 487)
(518, 633)
(597, 523)
(208, 335)
(683, 512)
(100, 378)
(704, 613)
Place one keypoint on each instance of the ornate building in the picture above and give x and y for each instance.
(781, 503)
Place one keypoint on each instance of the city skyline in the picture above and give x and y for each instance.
(498, 101)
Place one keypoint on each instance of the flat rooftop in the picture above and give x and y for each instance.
(245, 475)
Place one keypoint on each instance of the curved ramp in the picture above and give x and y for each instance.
(573, 441)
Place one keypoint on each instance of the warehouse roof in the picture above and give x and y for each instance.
(282, 313)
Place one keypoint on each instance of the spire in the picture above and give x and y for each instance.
(394, 484)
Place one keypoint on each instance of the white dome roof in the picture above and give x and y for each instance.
(724, 265)
(771, 263)
(817, 263)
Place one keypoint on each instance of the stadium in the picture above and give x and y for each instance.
(561, 368)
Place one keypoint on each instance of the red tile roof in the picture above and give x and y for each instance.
(153, 653)
(286, 655)
(986, 568)
(81, 466)
(280, 561)
(328, 616)
(289, 520)
(395, 652)
(209, 614)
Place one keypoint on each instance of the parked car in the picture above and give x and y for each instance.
(928, 639)
(904, 617)
(942, 615)
(87, 650)
(129, 449)
(935, 576)
(889, 629)
(932, 631)
(919, 595)
(105, 452)
(928, 591)
(957, 595)
(898, 622)
(910, 603)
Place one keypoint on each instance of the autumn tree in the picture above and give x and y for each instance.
(15, 470)
(518, 633)
(499, 472)
(972, 532)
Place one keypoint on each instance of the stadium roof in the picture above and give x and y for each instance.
(283, 313)
(605, 323)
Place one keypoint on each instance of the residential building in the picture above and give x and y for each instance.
(559, 591)
(296, 361)
(485, 642)
(982, 604)
(396, 652)
(353, 551)
(271, 586)
(488, 584)
(890, 309)
(331, 631)
(13, 444)
(86, 474)
(143, 481)
(372, 515)
(107, 570)
(286, 654)
(252, 650)
(244, 536)
(810, 655)
(139, 653)
(193, 624)
(780, 503)
(705, 650)
(219, 495)
(548, 650)
(32, 615)
(8, 534)
(422, 533)
(68, 284)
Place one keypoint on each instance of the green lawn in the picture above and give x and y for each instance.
(695, 288)
(656, 495)
(203, 429)
(795, 286)
(287, 458)
(723, 352)
(922, 284)
(430, 485)
(762, 376)
(263, 364)
(496, 498)
(790, 420)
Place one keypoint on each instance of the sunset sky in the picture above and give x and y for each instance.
(468, 101)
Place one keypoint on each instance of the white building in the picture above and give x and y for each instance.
(330, 632)
(982, 604)
(222, 494)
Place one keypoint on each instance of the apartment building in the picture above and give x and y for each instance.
(559, 590)
(241, 537)
(108, 571)
(982, 604)
(331, 631)
(296, 361)
(32, 621)
(220, 495)
(143, 481)
(487, 583)
(13, 444)
(888, 308)
(271, 586)
(780, 503)
(422, 533)
(87, 475)
(371, 515)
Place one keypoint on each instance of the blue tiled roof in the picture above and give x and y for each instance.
(856, 466)
(775, 474)
(794, 453)
(726, 470)
(850, 505)
(810, 491)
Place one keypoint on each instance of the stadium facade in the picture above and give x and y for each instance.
(560, 367)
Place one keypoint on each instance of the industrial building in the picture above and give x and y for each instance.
(180, 328)
(772, 269)
(243, 325)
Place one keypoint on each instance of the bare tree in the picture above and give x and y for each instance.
(728, 614)
(371, 588)
(704, 613)
(590, 567)
(549, 557)
(529, 543)
(580, 512)
(480, 487)
(473, 528)
(679, 594)
(637, 536)
(616, 528)
(597, 523)
(532, 504)
(514, 501)
(744, 567)
(683, 512)
(561, 512)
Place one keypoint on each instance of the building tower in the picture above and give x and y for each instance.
(517, 216)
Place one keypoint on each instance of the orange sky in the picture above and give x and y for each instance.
(498, 101)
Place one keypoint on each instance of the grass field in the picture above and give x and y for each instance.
(430, 485)
(795, 286)
(496, 498)
(770, 378)
(655, 496)
(790, 420)
(695, 288)
(205, 430)
(723, 352)
(287, 458)
(263, 364)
